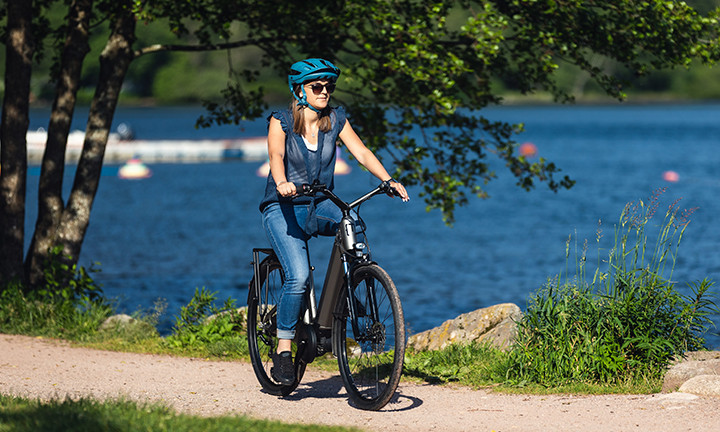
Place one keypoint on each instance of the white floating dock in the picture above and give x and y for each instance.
(157, 151)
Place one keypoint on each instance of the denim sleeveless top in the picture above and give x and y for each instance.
(304, 166)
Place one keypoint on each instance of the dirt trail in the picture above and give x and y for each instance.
(45, 369)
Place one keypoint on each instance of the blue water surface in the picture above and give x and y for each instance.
(194, 225)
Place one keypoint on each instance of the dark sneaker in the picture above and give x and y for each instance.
(283, 370)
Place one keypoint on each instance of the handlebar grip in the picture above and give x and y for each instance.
(309, 189)
(389, 189)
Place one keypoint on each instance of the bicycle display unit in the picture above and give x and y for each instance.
(359, 317)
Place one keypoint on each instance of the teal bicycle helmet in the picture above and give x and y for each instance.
(309, 70)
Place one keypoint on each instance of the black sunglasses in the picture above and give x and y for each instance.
(317, 88)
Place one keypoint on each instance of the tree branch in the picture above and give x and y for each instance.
(207, 47)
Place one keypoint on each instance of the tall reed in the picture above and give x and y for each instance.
(628, 322)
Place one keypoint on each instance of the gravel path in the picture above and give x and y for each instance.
(39, 368)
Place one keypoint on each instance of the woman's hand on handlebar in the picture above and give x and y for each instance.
(287, 189)
(398, 190)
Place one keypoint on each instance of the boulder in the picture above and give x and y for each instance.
(697, 373)
(116, 321)
(494, 324)
(241, 311)
(702, 385)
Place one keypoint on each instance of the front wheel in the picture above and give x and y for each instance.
(262, 328)
(370, 341)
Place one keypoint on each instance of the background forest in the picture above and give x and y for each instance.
(173, 78)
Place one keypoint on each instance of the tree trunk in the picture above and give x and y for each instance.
(13, 130)
(50, 200)
(114, 62)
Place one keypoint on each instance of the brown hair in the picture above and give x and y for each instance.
(298, 113)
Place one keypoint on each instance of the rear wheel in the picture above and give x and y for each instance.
(262, 328)
(370, 346)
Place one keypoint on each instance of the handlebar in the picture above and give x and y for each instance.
(315, 188)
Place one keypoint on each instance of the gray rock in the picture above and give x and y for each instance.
(495, 324)
(118, 320)
(702, 385)
(242, 311)
(693, 364)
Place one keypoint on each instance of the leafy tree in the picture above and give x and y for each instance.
(410, 69)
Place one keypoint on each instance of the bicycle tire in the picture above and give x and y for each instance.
(370, 362)
(262, 328)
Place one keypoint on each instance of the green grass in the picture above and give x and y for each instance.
(22, 415)
(480, 365)
(474, 365)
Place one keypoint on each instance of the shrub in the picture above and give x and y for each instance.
(201, 324)
(628, 323)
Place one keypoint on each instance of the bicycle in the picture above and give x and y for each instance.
(359, 317)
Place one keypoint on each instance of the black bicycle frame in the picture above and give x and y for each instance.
(334, 278)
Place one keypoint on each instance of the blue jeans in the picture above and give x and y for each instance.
(283, 226)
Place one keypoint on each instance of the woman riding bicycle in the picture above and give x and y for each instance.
(301, 148)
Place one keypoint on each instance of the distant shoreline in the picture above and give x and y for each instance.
(508, 100)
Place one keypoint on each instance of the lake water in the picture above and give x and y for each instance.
(194, 225)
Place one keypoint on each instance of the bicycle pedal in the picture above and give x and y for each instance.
(324, 346)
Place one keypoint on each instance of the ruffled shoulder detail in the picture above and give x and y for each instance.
(284, 117)
(340, 116)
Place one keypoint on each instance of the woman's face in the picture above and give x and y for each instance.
(318, 93)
